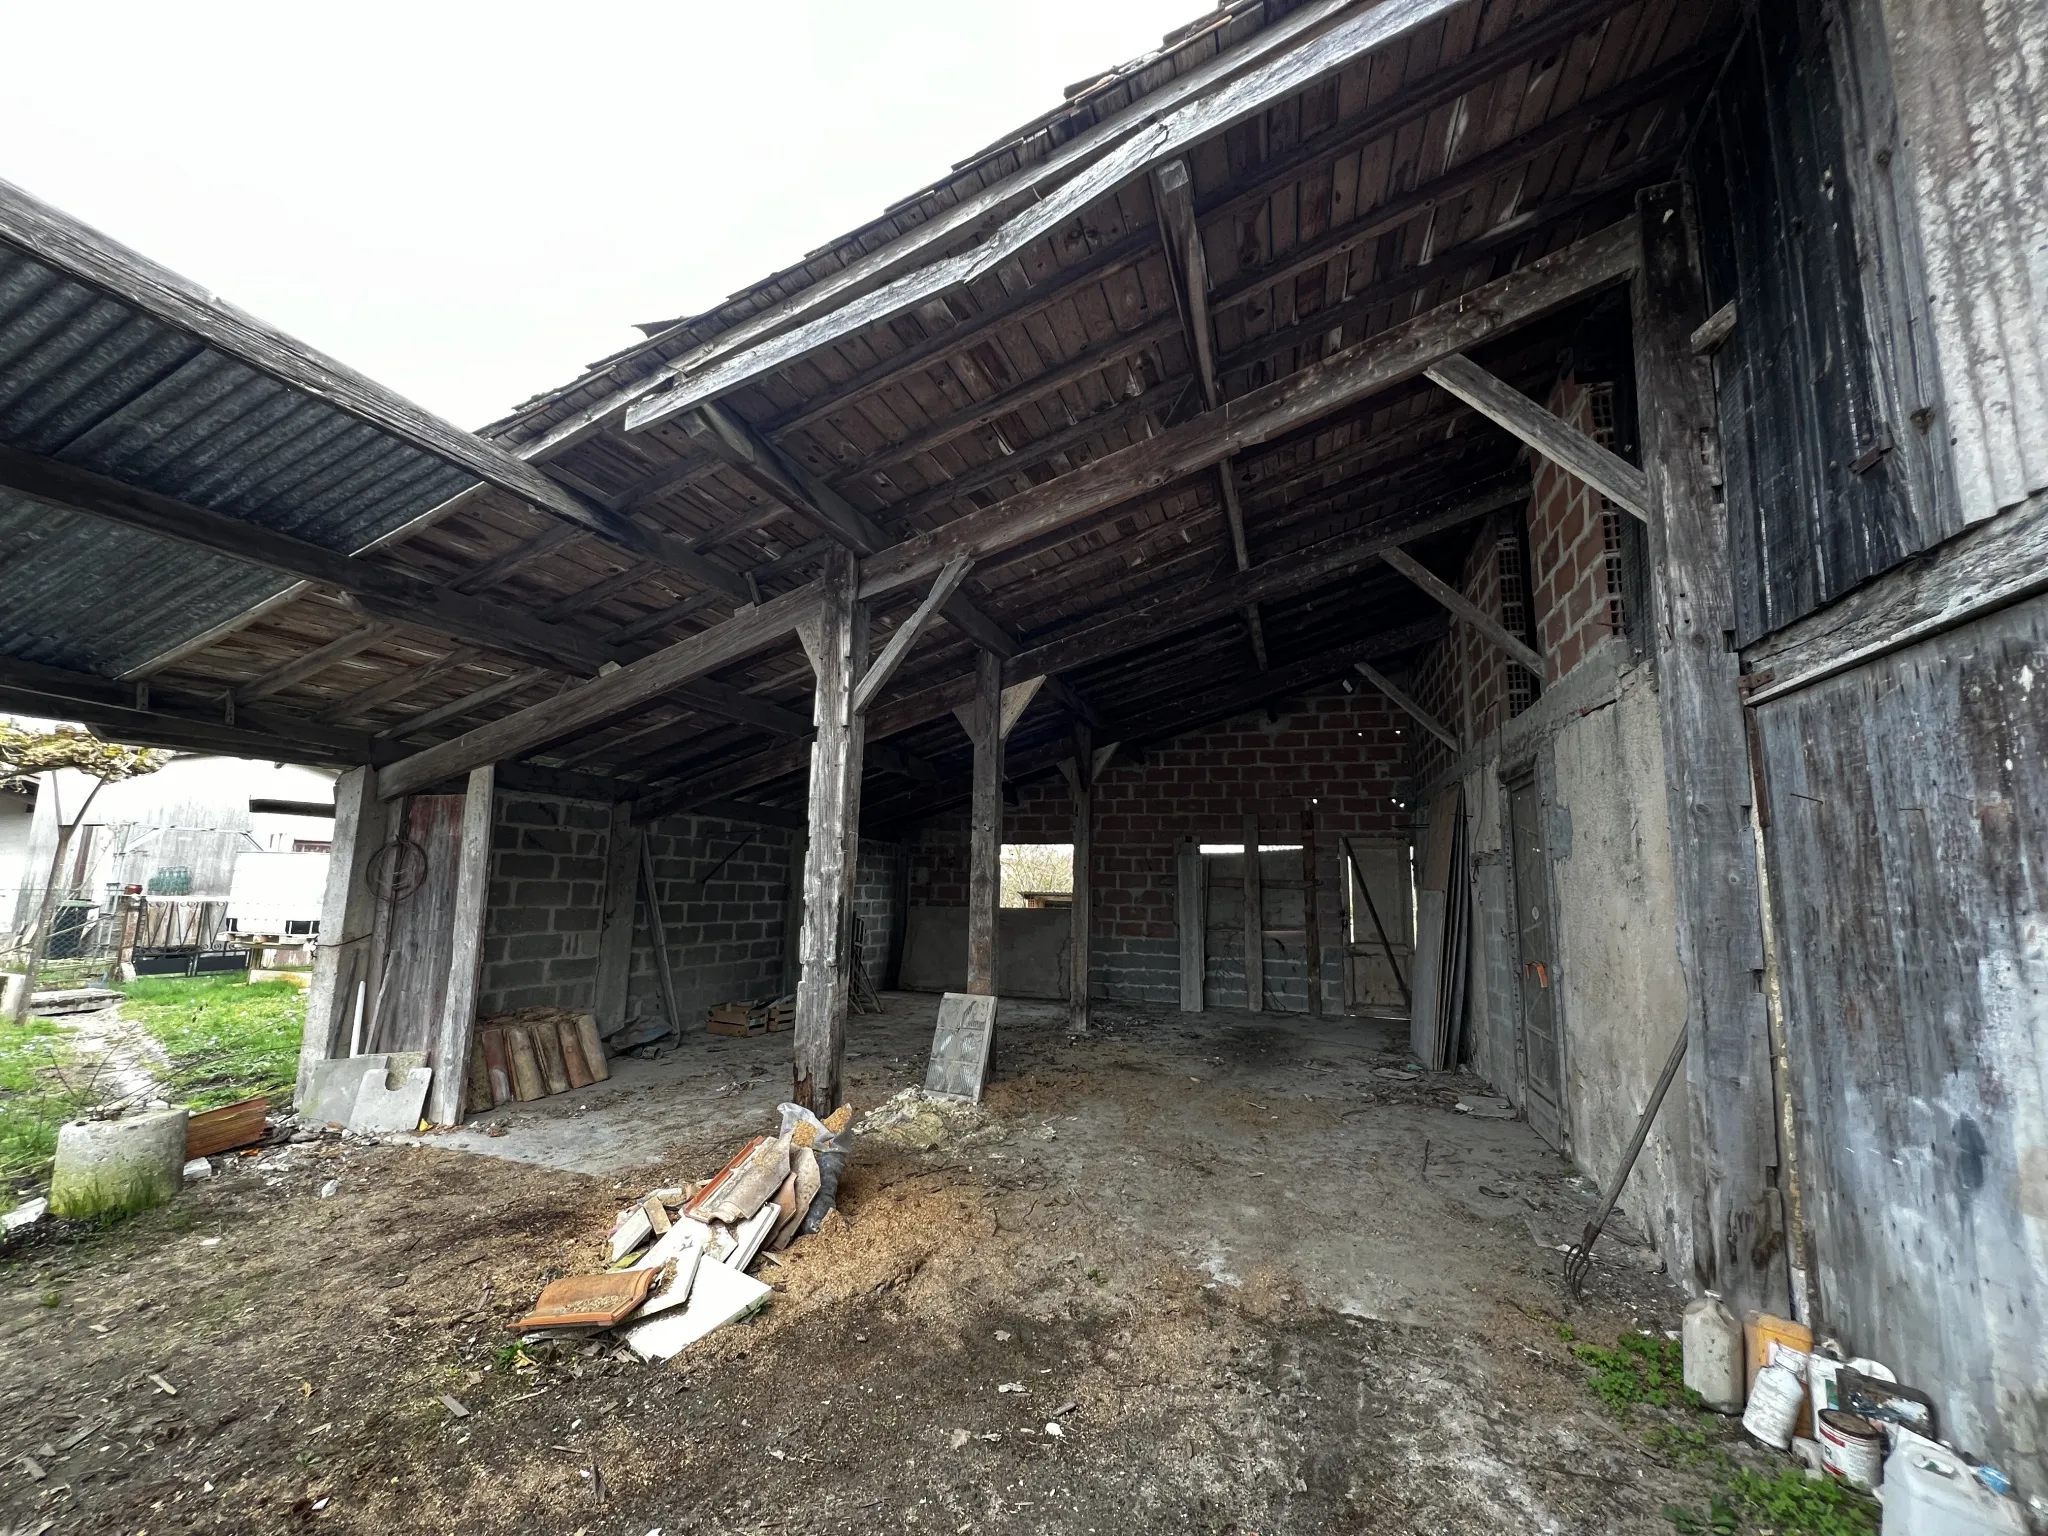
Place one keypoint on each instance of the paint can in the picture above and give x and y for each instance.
(1775, 1398)
(1851, 1447)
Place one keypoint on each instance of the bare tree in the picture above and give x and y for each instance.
(24, 754)
(1036, 867)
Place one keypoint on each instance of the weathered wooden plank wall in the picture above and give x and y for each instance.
(414, 986)
(1909, 800)
(1815, 502)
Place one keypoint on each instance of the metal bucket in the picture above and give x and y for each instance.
(1851, 1447)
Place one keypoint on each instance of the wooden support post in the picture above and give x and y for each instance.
(1080, 771)
(1254, 919)
(615, 925)
(1402, 700)
(985, 832)
(1558, 441)
(343, 961)
(448, 1048)
(1190, 917)
(1461, 605)
(1738, 1238)
(837, 643)
(1311, 919)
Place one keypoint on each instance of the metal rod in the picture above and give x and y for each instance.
(1580, 1258)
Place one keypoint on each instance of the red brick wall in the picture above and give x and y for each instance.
(1571, 536)
(1466, 653)
(1345, 751)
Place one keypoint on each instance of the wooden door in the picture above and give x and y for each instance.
(1379, 956)
(1542, 1039)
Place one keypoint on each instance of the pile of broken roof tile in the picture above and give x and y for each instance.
(679, 1257)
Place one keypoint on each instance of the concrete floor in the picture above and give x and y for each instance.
(1295, 1147)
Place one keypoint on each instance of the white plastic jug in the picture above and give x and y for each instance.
(1929, 1491)
(1774, 1403)
(1712, 1344)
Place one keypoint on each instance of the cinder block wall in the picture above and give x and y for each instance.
(1345, 751)
(546, 901)
(725, 934)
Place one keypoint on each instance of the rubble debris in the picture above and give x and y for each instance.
(678, 1255)
(211, 1132)
(920, 1120)
(745, 1184)
(590, 1301)
(720, 1295)
(1485, 1106)
(454, 1407)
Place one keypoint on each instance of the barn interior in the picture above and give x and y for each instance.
(1330, 473)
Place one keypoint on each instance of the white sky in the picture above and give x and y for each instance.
(469, 202)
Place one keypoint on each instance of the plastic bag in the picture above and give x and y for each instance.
(832, 1149)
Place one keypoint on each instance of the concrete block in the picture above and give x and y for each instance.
(383, 1108)
(332, 1087)
(118, 1167)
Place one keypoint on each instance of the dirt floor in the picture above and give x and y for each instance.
(1216, 1272)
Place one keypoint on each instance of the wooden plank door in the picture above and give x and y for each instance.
(1377, 974)
(1542, 1052)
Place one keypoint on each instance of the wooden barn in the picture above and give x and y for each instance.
(1524, 518)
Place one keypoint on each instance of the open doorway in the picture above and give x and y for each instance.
(1038, 875)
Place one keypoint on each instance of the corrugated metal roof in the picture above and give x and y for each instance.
(91, 381)
(1972, 83)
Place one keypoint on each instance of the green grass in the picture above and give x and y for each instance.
(40, 1088)
(226, 1038)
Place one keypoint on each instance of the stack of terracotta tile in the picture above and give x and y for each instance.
(533, 1053)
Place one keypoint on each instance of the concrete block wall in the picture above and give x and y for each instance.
(725, 936)
(878, 903)
(1347, 751)
(545, 903)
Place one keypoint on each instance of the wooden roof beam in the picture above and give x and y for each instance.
(604, 698)
(1403, 700)
(1104, 638)
(1392, 357)
(1557, 440)
(791, 483)
(153, 717)
(1461, 605)
(1173, 197)
(1634, 92)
